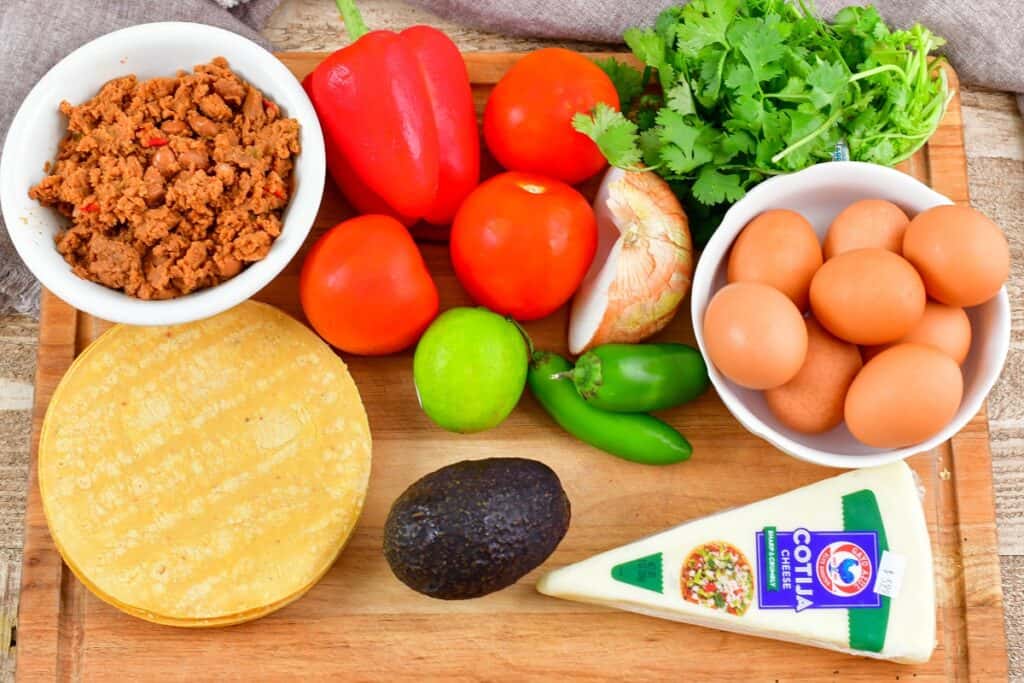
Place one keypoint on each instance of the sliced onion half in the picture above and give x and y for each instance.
(643, 266)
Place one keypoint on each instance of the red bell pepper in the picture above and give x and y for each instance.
(398, 120)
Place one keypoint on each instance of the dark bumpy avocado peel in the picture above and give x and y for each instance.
(475, 527)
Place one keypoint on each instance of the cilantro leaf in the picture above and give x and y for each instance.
(879, 151)
(680, 98)
(675, 130)
(645, 118)
(665, 24)
(712, 187)
(649, 48)
(615, 135)
(740, 79)
(801, 124)
(728, 146)
(739, 30)
(763, 50)
(703, 23)
(709, 82)
(680, 161)
(766, 149)
(650, 146)
(828, 80)
(747, 113)
(795, 90)
(683, 150)
(775, 125)
(628, 81)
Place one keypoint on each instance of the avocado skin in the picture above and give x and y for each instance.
(475, 527)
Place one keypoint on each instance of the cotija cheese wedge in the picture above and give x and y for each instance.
(844, 564)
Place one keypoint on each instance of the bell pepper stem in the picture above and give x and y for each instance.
(568, 374)
(354, 23)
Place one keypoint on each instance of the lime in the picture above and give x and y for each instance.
(470, 369)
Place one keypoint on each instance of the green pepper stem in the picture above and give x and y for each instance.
(354, 23)
(567, 374)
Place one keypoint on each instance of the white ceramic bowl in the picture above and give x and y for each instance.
(149, 50)
(820, 193)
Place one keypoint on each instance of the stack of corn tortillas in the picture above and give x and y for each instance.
(204, 474)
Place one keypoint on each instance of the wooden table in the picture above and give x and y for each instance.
(995, 149)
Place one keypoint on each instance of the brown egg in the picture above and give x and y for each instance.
(864, 224)
(812, 402)
(904, 395)
(962, 256)
(868, 296)
(780, 249)
(755, 335)
(944, 327)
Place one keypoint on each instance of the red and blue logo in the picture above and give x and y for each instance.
(844, 568)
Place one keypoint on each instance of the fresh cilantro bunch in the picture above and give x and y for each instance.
(755, 88)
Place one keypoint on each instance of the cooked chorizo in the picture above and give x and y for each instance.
(171, 184)
(215, 107)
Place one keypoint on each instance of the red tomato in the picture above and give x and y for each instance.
(365, 289)
(528, 118)
(521, 244)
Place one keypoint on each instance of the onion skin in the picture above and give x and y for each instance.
(654, 267)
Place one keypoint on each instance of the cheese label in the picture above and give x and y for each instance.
(805, 569)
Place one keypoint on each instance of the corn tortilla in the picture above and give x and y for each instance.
(204, 474)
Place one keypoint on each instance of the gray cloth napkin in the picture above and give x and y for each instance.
(985, 37)
(36, 35)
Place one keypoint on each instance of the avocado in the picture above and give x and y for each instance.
(475, 526)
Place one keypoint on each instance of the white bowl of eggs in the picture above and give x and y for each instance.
(852, 316)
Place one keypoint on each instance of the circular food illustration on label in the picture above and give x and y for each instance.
(843, 568)
(718, 575)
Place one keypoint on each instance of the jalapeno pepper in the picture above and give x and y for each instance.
(639, 378)
(636, 437)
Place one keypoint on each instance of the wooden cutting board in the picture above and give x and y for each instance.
(361, 623)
